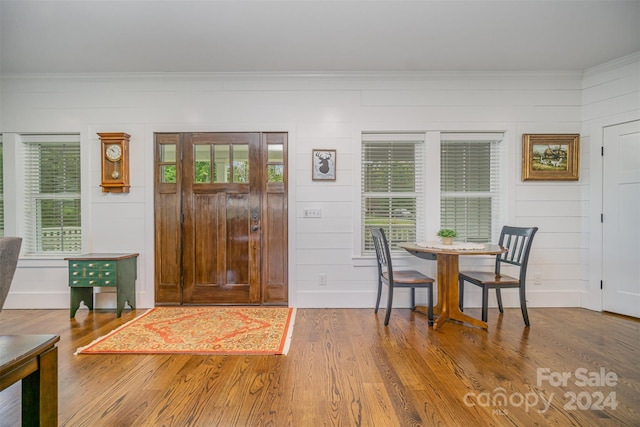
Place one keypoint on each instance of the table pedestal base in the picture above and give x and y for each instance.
(447, 307)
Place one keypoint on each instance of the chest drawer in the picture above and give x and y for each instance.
(86, 281)
(93, 270)
(92, 273)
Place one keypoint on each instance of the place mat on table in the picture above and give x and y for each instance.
(459, 246)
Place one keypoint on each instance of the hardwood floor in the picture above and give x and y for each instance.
(346, 368)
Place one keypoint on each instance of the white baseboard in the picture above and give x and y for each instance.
(367, 299)
(316, 299)
(61, 300)
(511, 298)
(36, 301)
(329, 299)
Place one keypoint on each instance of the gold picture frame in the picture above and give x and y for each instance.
(550, 157)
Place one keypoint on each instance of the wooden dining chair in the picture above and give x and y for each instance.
(398, 279)
(517, 241)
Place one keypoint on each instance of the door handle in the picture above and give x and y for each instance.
(255, 219)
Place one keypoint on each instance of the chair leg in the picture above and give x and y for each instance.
(430, 306)
(485, 303)
(523, 307)
(413, 299)
(461, 294)
(499, 298)
(379, 295)
(389, 304)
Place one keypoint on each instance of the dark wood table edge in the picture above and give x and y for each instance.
(36, 365)
(102, 256)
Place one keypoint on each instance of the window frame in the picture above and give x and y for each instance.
(432, 168)
(32, 242)
(419, 193)
(495, 141)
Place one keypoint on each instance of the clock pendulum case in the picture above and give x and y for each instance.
(115, 162)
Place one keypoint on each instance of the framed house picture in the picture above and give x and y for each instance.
(323, 165)
(550, 157)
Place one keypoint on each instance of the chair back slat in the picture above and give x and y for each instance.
(516, 245)
(517, 241)
(510, 245)
(382, 250)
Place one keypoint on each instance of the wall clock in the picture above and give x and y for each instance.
(115, 162)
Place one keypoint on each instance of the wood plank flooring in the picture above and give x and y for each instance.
(345, 368)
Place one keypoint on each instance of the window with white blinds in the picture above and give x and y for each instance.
(469, 184)
(1, 188)
(392, 187)
(52, 194)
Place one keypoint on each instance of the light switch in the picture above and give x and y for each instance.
(312, 212)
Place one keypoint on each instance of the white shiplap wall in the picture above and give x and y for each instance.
(318, 111)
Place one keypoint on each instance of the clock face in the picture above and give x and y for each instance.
(114, 152)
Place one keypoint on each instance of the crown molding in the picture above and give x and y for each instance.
(614, 64)
(489, 75)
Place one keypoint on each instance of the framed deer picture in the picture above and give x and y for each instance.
(550, 157)
(324, 165)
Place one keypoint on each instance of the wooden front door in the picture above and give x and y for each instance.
(221, 218)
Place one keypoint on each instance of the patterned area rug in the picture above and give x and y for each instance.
(201, 330)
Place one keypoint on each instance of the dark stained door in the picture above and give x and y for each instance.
(221, 218)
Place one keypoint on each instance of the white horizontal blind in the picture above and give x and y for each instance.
(392, 188)
(469, 179)
(52, 180)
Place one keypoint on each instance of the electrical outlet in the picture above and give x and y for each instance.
(537, 279)
(323, 280)
(312, 213)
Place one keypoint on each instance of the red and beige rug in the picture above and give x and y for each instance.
(201, 330)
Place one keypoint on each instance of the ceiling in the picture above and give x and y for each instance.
(333, 36)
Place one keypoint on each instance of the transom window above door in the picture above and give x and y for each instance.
(221, 163)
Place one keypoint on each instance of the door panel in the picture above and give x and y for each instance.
(275, 276)
(216, 204)
(168, 232)
(204, 265)
(237, 237)
(225, 214)
(275, 217)
(621, 229)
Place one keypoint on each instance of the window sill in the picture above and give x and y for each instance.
(43, 261)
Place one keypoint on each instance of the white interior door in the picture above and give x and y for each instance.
(621, 226)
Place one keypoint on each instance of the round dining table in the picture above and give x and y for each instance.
(447, 257)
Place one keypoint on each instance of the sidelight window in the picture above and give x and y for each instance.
(275, 163)
(168, 166)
